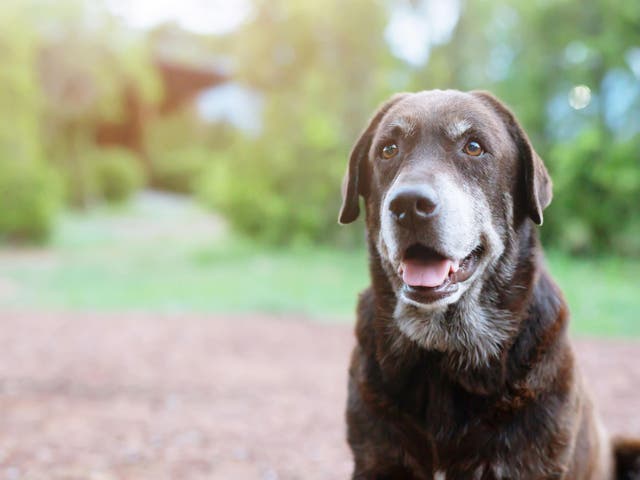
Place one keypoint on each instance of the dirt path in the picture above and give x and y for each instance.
(185, 397)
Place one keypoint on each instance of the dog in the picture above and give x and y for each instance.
(463, 368)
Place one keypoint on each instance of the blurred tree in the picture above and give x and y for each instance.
(537, 56)
(323, 67)
(570, 71)
(117, 174)
(30, 193)
(89, 66)
(20, 96)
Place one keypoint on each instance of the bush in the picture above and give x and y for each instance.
(180, 146)
(30, 194)
(117, 174)
(596, 192)
(176, 170)
(282, 189)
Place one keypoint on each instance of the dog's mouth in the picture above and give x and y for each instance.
(429, 276)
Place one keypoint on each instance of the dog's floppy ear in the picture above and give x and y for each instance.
(354, 183)
(537, 181)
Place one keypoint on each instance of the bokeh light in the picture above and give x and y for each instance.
(580, 97)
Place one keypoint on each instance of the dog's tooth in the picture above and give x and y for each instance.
(455, 266)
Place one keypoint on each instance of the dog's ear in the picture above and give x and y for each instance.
(355, 180)
(536, 178)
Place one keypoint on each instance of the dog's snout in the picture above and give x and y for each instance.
(413, 204)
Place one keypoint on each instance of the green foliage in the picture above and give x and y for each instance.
(322, 73)
(180, 148)
(89, 62)
(594, 207)
(317, 74)
(280, 188)
(531, 55)
(118, 174)
(67, 66)
(30, 192)
(30, 195)
(321, 68)
(20, 96)
(178, 170)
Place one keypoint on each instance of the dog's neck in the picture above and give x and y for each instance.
(486, 340)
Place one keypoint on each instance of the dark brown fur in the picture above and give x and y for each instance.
(413, 411)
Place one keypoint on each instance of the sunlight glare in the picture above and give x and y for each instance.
(414, 29)
(579, 97)
(200, 16)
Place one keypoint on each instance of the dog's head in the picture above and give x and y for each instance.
(446, 177)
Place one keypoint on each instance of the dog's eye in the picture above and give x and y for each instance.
(473, 148)
(390, 151)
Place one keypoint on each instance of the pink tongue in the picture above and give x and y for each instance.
(429, 273)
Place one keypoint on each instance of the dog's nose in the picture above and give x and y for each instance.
(410, 205)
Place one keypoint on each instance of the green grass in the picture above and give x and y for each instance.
(220, 278)
(161, 258)
(603, 293)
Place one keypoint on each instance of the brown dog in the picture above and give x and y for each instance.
(463, 368)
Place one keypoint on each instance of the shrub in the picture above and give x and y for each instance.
(596, 192)
(30, 195)
(118, 174)
(176, 170)
(180, 146)
(281, 189)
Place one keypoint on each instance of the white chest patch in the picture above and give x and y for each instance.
(440, 475)
(499, 470)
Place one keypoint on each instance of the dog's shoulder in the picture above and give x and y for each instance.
(542, 344)
(366, 312)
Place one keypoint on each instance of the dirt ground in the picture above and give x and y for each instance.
(192, 397)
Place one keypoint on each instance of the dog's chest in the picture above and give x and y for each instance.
(455, 426)
(486, 471)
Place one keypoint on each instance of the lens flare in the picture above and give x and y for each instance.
(579, 97)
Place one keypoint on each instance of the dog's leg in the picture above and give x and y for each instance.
(378, 442)
(376, 450)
